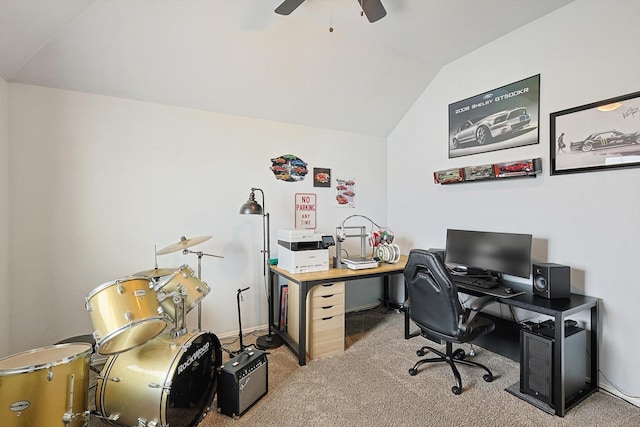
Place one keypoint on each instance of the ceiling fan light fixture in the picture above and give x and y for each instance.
(373, 9)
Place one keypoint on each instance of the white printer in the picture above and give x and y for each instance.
(303, 251)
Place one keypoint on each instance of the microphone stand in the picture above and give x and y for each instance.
(200, 255)
(242, 346)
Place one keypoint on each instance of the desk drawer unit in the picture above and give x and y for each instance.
(325, 318)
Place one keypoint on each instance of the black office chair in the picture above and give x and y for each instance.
(434, 307)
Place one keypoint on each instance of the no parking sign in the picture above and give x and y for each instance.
(305, 210)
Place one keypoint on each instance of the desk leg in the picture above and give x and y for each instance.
(302, 324)
(386, 297)
(594, 348)
(559, 398)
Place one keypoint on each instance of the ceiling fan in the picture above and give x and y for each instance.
(372, 9)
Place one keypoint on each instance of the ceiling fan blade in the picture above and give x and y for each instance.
(288, 6)
(373, 9)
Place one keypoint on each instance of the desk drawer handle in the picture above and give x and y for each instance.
(326, 296)
(328, 285)
(327, 307)
(327, 318)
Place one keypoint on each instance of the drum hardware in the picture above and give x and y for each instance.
(112, 417)
(155, 273)
(184, 243)
(200, 255)
(69, 416)
(156, 385)
(178, 314)
(180, 302)
(143, 423)
(186, 278)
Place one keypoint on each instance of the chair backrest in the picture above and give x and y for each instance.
(433, 297)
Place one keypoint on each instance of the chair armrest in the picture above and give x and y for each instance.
(475, 307)
(480, 303)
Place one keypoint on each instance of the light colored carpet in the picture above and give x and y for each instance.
(369, 385)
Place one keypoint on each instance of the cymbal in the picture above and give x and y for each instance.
(183, 244)
(157, 272)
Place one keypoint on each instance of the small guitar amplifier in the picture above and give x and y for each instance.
(242, 381)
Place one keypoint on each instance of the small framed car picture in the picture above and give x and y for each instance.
(448, 176)
(598, 136)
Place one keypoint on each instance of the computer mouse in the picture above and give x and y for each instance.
(508, 290)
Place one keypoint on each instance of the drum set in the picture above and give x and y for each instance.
(151, 378)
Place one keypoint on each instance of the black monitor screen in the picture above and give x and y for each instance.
(506, 253)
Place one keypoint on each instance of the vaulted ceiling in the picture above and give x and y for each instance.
(241, 58)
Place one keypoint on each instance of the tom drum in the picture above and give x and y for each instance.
(165, 382)
(182, 282)
(125, 313)
(48, 386)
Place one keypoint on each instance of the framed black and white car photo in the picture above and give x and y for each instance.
(598, 136)
(501, 118)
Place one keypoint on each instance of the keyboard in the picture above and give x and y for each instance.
(478, 282)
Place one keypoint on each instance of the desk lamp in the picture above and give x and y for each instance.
(251, 207)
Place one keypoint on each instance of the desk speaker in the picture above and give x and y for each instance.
(243, 381)
(551, 281)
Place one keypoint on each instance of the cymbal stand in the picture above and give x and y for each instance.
(200, 255)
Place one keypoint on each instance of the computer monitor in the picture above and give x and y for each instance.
(490, 252)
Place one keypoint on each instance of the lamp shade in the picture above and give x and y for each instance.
(251, 207)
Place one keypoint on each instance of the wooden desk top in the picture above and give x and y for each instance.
(340, 274)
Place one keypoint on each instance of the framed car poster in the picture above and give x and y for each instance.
(598, 136)
(501, 118)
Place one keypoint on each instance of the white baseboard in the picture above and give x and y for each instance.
(608, 388)
(362, 307)
(245, 332)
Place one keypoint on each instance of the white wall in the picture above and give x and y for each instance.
(585, 52)
(96, 182)
(5, 317)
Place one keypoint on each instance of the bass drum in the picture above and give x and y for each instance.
(48, 386)
(167, 381)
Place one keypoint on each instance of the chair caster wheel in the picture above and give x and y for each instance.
(413, 372)
(420, 353)
(456, 390)
(488, 377)
(458, 354)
